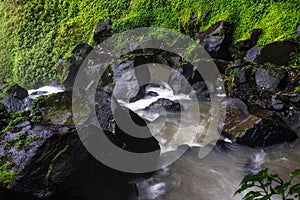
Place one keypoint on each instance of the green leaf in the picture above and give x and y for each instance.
(251, 195)
(243, 187)
(295, 189)
(295, 173)
(280, 189)
(266, 197)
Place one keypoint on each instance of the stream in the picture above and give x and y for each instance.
(217, 175)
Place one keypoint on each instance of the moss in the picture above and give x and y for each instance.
(7, 175)
(21, 140)
(35, 34)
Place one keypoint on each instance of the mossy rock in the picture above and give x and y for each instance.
(54, 108)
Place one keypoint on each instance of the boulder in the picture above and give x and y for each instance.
(222, 65)
(217, 40)
(52, 162)
(57, 108)
(250, 130)
(74, 62)
(268, 78)
(4, 116)
(277, 52)
(17, 92)
(152, 94)
(247, 44)
(201, 91)
(235, 111)
(121, 66)
(164, 105)
(102, 31)
(179, 83)
(127, 87)
(13, 104)
(104, 111)
(130, 137)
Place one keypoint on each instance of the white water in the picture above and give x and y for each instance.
(214, 177)
(34, 93)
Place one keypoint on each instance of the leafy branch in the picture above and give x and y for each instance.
(264, 185)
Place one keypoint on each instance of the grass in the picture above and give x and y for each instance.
(35, 34)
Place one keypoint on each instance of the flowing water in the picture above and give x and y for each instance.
(214, 177)
(217, 175)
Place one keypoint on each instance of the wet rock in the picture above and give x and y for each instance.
(298, 30)
(55, 108)
(268, 78)
(188, 71)
(217, 39)
(179, 84)
(17, 92)
(152, 94)
(251, 42)
(163, 104)
(4, 116)
(102, 31)
(243, 86)
(55, 166)
(238, 63)
(146, 143)
(104, 111)
(277, 53)
(291, 118)
(234, 111)
(222, 65)
(74, 62)
(7, 194)
(201, 91)
(13, 104)
(127, 87)
(250, 130)
(122, 66)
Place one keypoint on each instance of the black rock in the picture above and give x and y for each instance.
(13, 104)
(121, 66)
(201, 90)
(102, 31)
(104, 111)
(194, 17)
(217, 40)
(152, 94)
(298, 30)
(206, 13)
(129, 134)
(74, 62)
(268, 78)
(222, 65)
(163, 104)
(251, 42)
(17, 92)
(250, 130)
(277, 52)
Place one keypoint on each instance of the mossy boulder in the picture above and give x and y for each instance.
(54, 108)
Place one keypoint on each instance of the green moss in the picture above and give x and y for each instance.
(7, 175)
(21, 140)
(35, 34)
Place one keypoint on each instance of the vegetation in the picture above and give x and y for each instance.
(264, 185)
(35, 34)
(7, 175)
